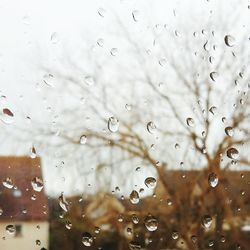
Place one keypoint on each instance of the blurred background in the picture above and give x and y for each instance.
(124, 124)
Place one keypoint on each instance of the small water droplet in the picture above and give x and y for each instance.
(33, 152)
(68, 224)
(89, 80)
(63, 203)
(38, 242)
(114, 51)
(87, 239)
(229, 40)
(206, 221)
(151, 223)
(134, 197)
(10, 229)
(151, 127)
(213, 179)
(135, 219)
(150, 182)
(54, 38)
(212, 110)
(213, 75)
(190, 122)
(100, 42)
(175, 235)
(113, 124)
(128, 106)
(83, 139)
(229, 131)
(136, 15)
(162, 62)
(233, 153)
(8, 183)
(37, 184)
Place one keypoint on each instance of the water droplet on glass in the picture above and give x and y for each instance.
(89, 80)
(1, 211)
(213, 180)
(83, 139)
(233, 153)
(229, 40)
(68, 224)
(134, 197)
(113, 124)
(32, 152)
(128, 107)
(150, 182)
(114, 51)
(63, 203)
(213, 75)
(8, 183)
(135, 15)
(97, 230)
(134, 246)
(151, 223)
(162, 62)
(7, 116)
(175, 235)
(10, 229)
(54, 38)
(176, 146)
(100, 42)
(87, 239)
(229, 131)
(212, 110)
(101, 12)
(206, 221)
(194, 239)
(37, 184)
(151, 127)
(135, 219)
(190, 122)
(38, 242)
(48, 79)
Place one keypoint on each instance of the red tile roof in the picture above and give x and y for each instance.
(16, 202)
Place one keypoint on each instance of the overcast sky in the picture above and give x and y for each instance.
(40, 32)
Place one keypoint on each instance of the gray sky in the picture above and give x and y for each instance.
(35, 33)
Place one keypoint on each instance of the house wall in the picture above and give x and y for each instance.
(29, 234)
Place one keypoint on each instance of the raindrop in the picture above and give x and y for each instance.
(134, 197)
(135, 219)
(223, 119)
(213, 75)
(150, 182)
(101, 12)
(113, 124)
(48, 79)
(190, 122)
(68, 224)
(10, 229)
(89, 80)
(63, 203)
(194, 239)
(206, 221)
(212, 110)
(37, 184)
(128, 107)
(175, 235)
(134, 246)
(135, 15)
(7, 116)
(83, 139)
(229, 40)
(38, 242)
(213, 180)
(162, 62)
(151, 223)
(32, 152)
(206, 46)
(176, 146)
(97, 230)
(54, 38)
(100, 42)
(114, 51)
(233, 153)
(8, 183)
(229, 131)
(7, 112)
(87, 239)
(151, 127)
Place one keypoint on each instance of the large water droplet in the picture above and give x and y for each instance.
(229, 40)
(229, 131)
(8, 183)
(213, 180)
(113, 124)
(150, 182)
(151, 127)
(134, 197)
(190, 122)
(151, 223)
(87, 239)
(37, 184)
(232, 153)
(206, 221)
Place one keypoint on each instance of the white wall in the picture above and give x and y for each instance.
(30, 233)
